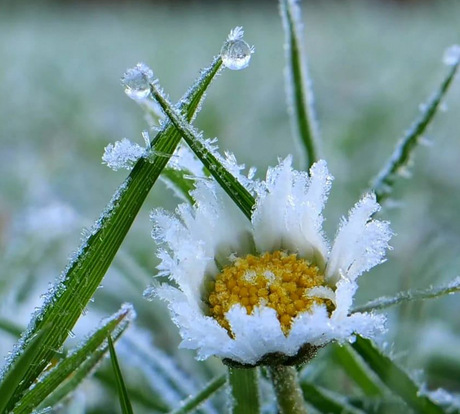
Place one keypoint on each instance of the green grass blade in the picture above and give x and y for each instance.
(66, 368)
(12, 379)
(400, 159)
(395, 378)
(178, 181)
(67, 300)
(140, 396)
(298, 82)
(357, 370)
(410, 295)
(125, 403)
(326, 403)
(207, 392)
(244, 387)
(238, 193)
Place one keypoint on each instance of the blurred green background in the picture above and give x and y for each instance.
(372, 64)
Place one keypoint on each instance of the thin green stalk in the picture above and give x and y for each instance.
(245, 390)
(123, 395)
(194, 401)
(298, 82)
(401, 156)
(289, 395)
(410, 295)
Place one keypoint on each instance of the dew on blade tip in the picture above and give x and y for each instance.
(236, 53)
(137, 81)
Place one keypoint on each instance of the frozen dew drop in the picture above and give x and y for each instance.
(236, 53)
(452, 55)
(137, 81)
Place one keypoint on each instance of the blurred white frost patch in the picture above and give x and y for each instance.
(52, 220)
(122, 155)
(137, 81)
(452, 55)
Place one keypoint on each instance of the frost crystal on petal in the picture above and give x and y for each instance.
(211, 243)
(123, 154)
(137, 81)
(452, 55)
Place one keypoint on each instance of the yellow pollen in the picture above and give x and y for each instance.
(276, 280)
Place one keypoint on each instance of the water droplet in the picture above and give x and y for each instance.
(236, 53)
(452, 55)
(137, 81)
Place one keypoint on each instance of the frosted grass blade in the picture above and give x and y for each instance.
(93, 349)
(298, 82)
(69, 297)
(14, 377)
(395, 378)
(193, 402)
(357, 370)
(238, 193)
(410, 295)
(245, 390)
(324, 402)
(125, 403)
(400, 159)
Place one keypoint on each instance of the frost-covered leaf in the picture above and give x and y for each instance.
(67, 299)
(395, 378)
(205, 151)
(298, 82)
(399, 162)
(410, 295)
(91, 350)
(13, 378)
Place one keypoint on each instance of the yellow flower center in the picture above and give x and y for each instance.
(276, 280)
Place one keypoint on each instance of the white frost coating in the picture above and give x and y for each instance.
(199, 240)
(122, 155)
(184, 159)
(235, 52)
(452, 55)
(137, 81)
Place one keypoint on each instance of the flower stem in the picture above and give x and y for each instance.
(287, 390)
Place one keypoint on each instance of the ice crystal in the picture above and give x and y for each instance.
(137, 81)
(122, 154)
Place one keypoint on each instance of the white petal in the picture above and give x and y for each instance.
(360, 243)
(304, 214)
(269, 217)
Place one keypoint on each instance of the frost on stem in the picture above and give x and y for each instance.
(122, 154)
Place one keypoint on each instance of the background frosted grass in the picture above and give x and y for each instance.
(372, 65)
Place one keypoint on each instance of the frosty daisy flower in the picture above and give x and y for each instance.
(270, 290)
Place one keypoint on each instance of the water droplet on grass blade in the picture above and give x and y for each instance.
(236, 53)
(137, 81)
